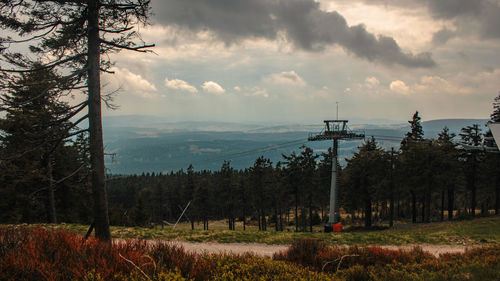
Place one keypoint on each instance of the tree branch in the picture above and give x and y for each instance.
(48, 66)
(137, 48)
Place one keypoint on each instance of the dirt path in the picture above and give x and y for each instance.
(232, 248)
(269, 250)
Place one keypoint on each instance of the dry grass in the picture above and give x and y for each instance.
(480, 231)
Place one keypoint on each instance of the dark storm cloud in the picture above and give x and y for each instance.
(485, 14)
(442, 36)
(454, 8)
(303, 23)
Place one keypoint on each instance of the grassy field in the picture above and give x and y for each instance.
(480, 231)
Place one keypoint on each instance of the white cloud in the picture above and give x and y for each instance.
(435, 84)
(177, 84)
(213, 88)
(237, 88)
(131, 82)
(399, 87)
(372, 82)
(257, 92)
(461, 84)
(286, 78)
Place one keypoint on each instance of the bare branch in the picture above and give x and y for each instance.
(48, 66)
(116, 30)
(76, 133)
(32, 38)
(70, 175)
(137, 48)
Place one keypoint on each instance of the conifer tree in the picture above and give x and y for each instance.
(293, 175)
(471, 135)
(415, 159)
(416, 132)
(34, 131)
(495, 115)
(308, 164)
(260, 177)
(74, 38)
(448, 174)
(366, 170)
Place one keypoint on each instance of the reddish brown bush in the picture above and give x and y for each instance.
(37, 254)
(320, 257)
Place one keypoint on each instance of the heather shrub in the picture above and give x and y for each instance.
(375, 263)
(306, 252)
(356, 273)
(36, 254)
(320, 257)
(248, 267)
(190, 265)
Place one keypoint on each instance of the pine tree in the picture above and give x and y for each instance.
(188, 193)
(449, 170)
(34, 139)
(76, 37)
(293, 175)
(471, 135)
(416, 132)
(227, 193)
(365, 173)
(260, 178)
(324, 175)
(495, 115)
(308, 164)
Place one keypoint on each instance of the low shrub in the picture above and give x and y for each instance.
(305, 252)
(375, 263)
(37, 254)
(320, 257)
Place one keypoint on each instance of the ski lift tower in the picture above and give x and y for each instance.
(335, 130)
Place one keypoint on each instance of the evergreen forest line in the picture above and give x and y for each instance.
(45, 177)
(426, 180)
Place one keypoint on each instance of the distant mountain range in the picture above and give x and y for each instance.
(152, 144)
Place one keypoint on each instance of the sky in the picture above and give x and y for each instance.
(291, 61)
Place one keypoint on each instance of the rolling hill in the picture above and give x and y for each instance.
(152, 144)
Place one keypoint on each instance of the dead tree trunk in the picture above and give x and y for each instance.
(101, 218)
(451, 201)
(368, 211)
(50, 192)
(413, 207)
(442, 205)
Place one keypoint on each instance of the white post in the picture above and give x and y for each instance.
(333, 187)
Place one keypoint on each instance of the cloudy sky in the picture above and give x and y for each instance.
(290, 61)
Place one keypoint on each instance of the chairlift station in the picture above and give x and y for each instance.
(335, 130)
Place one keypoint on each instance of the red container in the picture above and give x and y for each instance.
(337, 227)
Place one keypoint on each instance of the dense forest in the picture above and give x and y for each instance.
(426, 180)
(45, 178)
